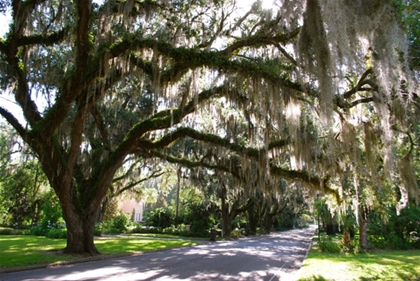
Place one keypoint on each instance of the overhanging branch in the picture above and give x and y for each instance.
(234, 168)
(212, 139)
(50, 39)
(155, 174)
(13, 121)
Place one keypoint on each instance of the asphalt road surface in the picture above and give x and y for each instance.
(277, 256)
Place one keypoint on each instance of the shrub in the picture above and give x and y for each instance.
(346, 243)
(139, 228)
(199, 229)
(97, 231)
(399, 232)
(6, 231)
(103, 227)
(236, 233)
(201, 218)
(160, 217)
(120, 223)
(38, 230)
(304, 220)
(22, 231)
(57, 233)
(176, 230)
(52, 213)
(328, 245)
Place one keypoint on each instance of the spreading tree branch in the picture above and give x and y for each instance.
(211, 139)
(11, 119)
(155, 174)
(50, 39)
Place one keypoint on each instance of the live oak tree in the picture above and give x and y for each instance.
(288, 91)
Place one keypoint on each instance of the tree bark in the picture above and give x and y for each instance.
(178, 187)
(80, 231)
(330, 228)
(102, 210)
(363, 224)
(268, 222)
(253, 216)
(226, 222)
(229, 210)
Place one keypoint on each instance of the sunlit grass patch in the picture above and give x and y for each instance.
(18, 251)
(159, 235)
(374, 265)
(132, 244)
(29, 250)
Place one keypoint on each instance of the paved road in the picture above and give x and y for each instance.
(271, 257)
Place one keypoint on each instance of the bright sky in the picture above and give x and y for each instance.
(4, 23)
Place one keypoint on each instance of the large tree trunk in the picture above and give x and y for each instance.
(226, 221)
(363, 224)
(253, 216)
(101, 213)
(80, 231)
(178, 187)
(363, 240)
(268, 222)
(229, 211)
(330, 228)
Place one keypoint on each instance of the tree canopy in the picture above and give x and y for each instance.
(317, 92)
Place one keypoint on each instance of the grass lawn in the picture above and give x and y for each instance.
(22, 250)
(375, 265)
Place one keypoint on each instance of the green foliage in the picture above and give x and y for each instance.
(201, 218)
(180, 230)
(57, 233)
(17, 195)
(322, 213)
(52, 215)
(375, 265)
(6, 142)
(120, 223)
(111, 210)
(6, 231)
(328, 245)
(133, 83)
(22, 182)
(341, 243)
(104, 227)
(399, 232)
(408, 11)
(39, 230)
(286, 219)
(138, 228)
(236, 233)
(346, 244)
(200, 228)
(51, 223)
(160, 217)
(41, 250)
(97, 231)
(304, 220)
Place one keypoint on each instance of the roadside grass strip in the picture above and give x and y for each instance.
(22, 251)
(121, 245)
(372, 265)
